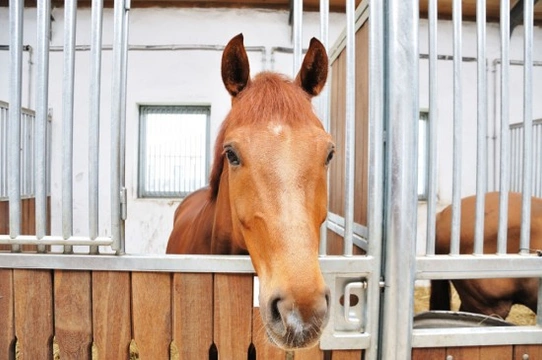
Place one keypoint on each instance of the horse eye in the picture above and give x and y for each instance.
(233, 159)
(330, 156)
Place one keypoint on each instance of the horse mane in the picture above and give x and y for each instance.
(265, 96)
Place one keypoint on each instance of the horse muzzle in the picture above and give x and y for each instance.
(292, 325)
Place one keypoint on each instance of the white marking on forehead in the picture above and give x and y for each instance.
(275, 128)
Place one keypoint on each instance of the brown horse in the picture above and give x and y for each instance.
(488, 296)
(268, 192)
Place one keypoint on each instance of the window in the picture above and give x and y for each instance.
(423, 155)
(173, 155)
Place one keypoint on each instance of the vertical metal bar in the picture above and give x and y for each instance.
(94, 119)
(42, 100)
(433, 133)
(123, 83)
(350, 128)
(324, 105)
(504, 167)
(15, 94)
(527, 127)
(376, 169)
(70, 13)
(116, 113)
(458, 117)
(402, 113)
(297, 28)
(481, 152)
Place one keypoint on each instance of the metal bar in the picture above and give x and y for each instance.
(116, 113)
(476, 336)
(481, 151)
(350, 127)
(375, 187)
(15, 94)
(94, 120)
(53, 240)
(177, 263)
(324, 106)
(42, 101)
(504, 173)
(70, 14)
(297, 34)
(458, 115)
(527, 185)
(433, 130)
(478, 266)
(123, 83)
(402, 112)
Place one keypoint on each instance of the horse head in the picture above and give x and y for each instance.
(270, 179)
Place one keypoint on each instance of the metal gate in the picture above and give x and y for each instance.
(368, 251)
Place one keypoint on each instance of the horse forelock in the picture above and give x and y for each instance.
(268, 97)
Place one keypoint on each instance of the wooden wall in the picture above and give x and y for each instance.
(28, 220)
(135, 315)
(337, 114)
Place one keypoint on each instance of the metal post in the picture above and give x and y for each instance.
(376, 170)
(433, 130)
(527, 127)
(15, 86)
(118, 89)
(297, 28)
(402, 112)
(324, 105)
(481, 152)
(42, 110)
(504, 172)
(94, 119)
(350, 127)
(70, 14)
(458, 118)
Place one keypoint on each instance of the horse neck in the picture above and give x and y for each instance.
(225, 238)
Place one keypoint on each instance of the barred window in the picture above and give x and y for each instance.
(173, 155)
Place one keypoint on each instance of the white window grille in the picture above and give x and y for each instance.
(173, 156)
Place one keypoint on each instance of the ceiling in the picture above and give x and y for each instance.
(444, 6)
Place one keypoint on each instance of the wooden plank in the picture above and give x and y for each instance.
(346, 355)
(264, 348)
(111, 315)
(73, 313)
(313, 353)
(151, 301)
(464, 353)
(232, 315)
(7, 330)
(504, 352)
(534, 352)
(34, 312)
(428, 354)
(193, 315)
(362, 125)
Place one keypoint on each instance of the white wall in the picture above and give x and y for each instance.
(192, 77)
(154, 77)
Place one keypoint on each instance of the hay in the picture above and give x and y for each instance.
(519, 315)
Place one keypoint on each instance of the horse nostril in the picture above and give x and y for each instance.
(274, 309)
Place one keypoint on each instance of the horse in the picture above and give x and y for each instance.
(267, 194)
(488, 296)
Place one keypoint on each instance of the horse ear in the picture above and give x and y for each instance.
(235, 67)
(313, 73)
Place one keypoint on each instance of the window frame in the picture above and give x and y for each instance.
(142, 191)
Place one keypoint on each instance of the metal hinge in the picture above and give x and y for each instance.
(123, 203)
